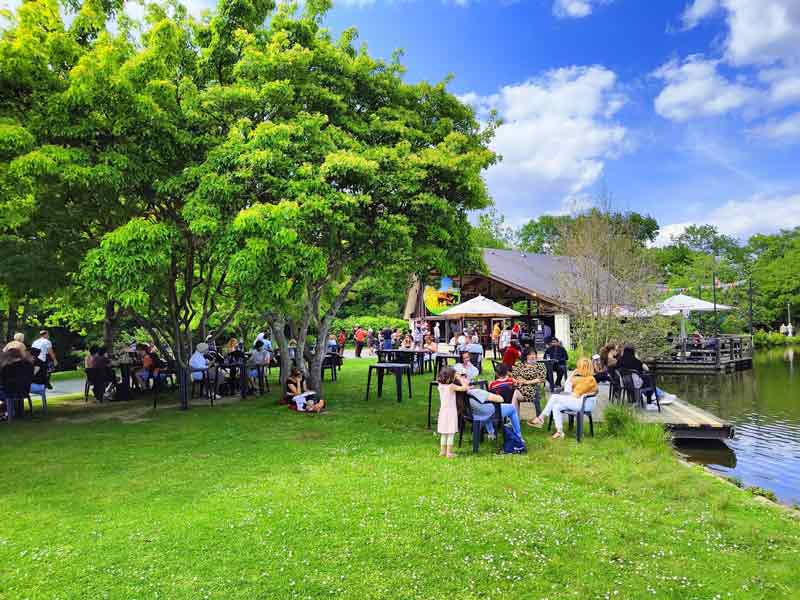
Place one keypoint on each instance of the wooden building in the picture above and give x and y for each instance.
(530, 283)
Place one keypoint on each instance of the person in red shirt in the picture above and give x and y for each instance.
(515, 330)
(341, 341)
(503, 381)
(512, 354)
(360, 337)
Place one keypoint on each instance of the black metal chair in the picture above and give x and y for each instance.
(615, 389)
(636, 395)
(330, 363)
(465, 416)
(477, 360)
(578, 415)
(16, 381)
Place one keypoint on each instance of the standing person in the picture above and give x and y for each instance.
(447, 424)
(259, 357)
(341, 340)
(496, 331)
(360, 337)
(42, 350)
(783, 330)
(789, 329)
(370, 340)
(515, 330)
(512, 354)
(437, 333)
(417, 336)
(581, 383)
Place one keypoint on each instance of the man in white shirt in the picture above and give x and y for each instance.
(465, 368)
(436, 333)
(505, 339)
(474, 346)
(199, 366)
(42, 350)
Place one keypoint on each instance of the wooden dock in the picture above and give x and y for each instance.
(686, 421)
(680, 418)
(730, 353)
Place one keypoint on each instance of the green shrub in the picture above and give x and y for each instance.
(757, 491)
(769, 339)
(376, 323)
(618, 418)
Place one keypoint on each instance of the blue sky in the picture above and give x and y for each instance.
(685, 109)
(688, 110)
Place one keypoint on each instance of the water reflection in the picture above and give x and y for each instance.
(764, 406)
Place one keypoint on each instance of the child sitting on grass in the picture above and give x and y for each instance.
(447, 426)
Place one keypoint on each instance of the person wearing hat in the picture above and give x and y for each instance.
(18, 342)
(200, 367)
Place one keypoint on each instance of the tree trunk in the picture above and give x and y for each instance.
(109, 325)
(278, 327)
(11, 324)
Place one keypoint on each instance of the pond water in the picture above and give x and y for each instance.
(764, 406)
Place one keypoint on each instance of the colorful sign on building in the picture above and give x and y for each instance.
(439, 298)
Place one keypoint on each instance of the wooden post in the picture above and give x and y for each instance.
(750, 294)
(718, 346)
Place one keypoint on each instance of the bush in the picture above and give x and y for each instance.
(769, 339)
(376, 323)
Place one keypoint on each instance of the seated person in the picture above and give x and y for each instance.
(200, 367)
(599, 370)
(641, 376)
(332, 347)
(557, 369)
(104, 373)
(466, 370)
(150, 368)
(88, 362)
(505, 381)
(512, 354)
(430, 345)
(474, 346)
(581, 383)
(529, 375)
(408, 343)
(482, 403)
(299, 396)
(259, 357)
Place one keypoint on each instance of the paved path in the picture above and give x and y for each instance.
(67, 387)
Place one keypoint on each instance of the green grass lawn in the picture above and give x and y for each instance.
(251, 500)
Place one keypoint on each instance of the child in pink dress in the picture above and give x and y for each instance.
(447, 426)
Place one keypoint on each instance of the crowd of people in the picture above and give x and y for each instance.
(20, 365)
(522, 376)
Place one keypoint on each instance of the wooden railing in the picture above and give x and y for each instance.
(719, 350)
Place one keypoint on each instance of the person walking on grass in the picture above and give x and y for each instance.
(581, 382)
(360, 337)
(447, 425)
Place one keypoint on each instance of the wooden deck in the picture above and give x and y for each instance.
(681, 419)
(732, 353)
(686, 421)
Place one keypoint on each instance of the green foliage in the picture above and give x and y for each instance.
(492, 231)
(771, 339)
(620, 421)
(376, 323)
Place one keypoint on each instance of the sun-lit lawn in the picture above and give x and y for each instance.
(250, 500)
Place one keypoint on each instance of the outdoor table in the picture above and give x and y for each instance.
(124, 386)
(398, 369)
(441, 360)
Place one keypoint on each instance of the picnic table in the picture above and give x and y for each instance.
(398, 369)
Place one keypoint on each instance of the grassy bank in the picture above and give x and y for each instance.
(252, 501)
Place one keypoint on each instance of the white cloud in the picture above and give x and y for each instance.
(743, 218)
(785, 129)
(558, 132)
(575, 9)
(697, 11)
(695, 88)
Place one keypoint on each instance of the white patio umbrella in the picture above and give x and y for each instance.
(684, 305)
(479, 308)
